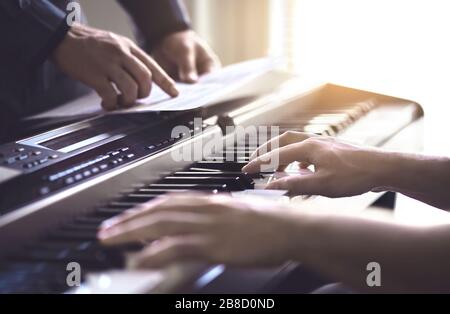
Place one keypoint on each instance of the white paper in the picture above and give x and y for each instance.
(209, 88)
(212, 88)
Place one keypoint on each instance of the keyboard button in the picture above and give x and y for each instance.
(21, 157)
(10, 161)
(44, 190)
(69, 180)
(87, 174)
(43, 160)
(28, 166)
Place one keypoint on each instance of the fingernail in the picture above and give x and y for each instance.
(107, 224)
(102, 234)
(133, 260)
(107, 232)
(193, 77)
(174, 91)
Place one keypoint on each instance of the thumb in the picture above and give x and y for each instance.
(187, 70)
(309, 184)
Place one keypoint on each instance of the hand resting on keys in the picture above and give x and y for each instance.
(213, 228)
(220, 230)
(340, 169)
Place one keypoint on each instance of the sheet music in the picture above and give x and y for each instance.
(211, 88)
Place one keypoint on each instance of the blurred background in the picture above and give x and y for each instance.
(395, 47)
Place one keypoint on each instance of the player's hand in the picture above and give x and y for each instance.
(340, 169)
(215, 229)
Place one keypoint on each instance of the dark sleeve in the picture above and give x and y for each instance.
(155, 19)
(29, 30)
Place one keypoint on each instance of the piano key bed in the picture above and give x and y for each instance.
(38, 262)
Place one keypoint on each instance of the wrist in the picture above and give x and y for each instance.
(150, 44)
(57, 39)
(65, 40)
(414, 173)
(380, 169)
(392, 170)
(299, 230)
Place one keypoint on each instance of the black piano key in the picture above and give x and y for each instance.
(82, 246)
(98, 259)
(92, 259)
(248, 178)
(228, 158)
(121, 205)
(26, 268)
(232, 183)
(247, 149)
(41, 255)
(235, 151)
(187, 187)
(140, 198)
(106, 212)
(51, 280)
(74, 235)
(81, 227)
(155, 192)
(95, 221)
(52, 244)
(204, 170)
(219, 165)
(229, 174)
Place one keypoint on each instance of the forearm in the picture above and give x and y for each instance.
(156, 19)
(424, 178)
(30, 30)
(411, 259)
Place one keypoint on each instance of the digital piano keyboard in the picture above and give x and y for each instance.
(57, 187)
